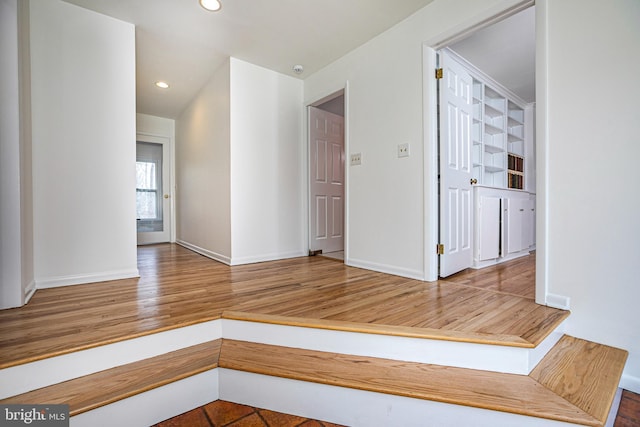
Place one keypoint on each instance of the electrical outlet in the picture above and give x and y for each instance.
(403, 150)
(356, 159)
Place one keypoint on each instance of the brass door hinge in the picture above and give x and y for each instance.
(438, 73)
(440, 249)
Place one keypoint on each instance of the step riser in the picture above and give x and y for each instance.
(42, 373)
(494, 358)
(516, 360)
(357, 407)
(153, 406)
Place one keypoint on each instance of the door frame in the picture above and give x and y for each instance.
(430, 137)
(314, 102)
(168, 169)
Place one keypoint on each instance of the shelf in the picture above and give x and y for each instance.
(511, 122)
(493, 149)
(492, 130)
(513, 138)
(493, 169)
(511, 171)
(492, 112)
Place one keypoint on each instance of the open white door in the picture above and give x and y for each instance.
(456, 213)
(326, 170)
(153, 190)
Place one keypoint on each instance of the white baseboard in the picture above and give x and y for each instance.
(630, 383)
(155, 405)
(205, 252)
(384, 268)
(558, 301)
(267, 257)
(80, 279)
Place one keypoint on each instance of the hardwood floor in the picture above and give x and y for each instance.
(178, 287)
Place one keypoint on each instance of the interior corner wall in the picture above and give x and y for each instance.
(203, 213)
(267, 182)
(10, 194)
(593, 152)
(385, 193)
(83, 140)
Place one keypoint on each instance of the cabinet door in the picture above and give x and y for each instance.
(488, 228)
(527, 224)
(514, 225)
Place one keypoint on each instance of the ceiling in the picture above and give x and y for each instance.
(506, 52)
(179, 42)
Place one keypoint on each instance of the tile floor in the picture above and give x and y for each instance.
(227, 414)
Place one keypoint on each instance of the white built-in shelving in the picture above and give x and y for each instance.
(498, 138)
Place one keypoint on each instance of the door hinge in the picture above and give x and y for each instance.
(440, 249)
(438, 73)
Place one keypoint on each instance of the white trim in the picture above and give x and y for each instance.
(205, 252)
(558, 301)
(267, 257)
(486, 357)
(81, 279)
(613, 411)
(29, 291)
(385, 268)
(355, 407)
(488, 17)
(42, 373)
(430, 169)
(630, 382)
(155, 405)
(542, 154)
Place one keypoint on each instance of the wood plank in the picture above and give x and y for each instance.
(178, 288)
(105, 387)
(368, 328)
(518, 394)
(584, 373)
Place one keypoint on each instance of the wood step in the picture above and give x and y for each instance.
(102, 388)
(518, 394)
(584, 373)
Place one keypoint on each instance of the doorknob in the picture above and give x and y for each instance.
(473, 181)
(166, 196)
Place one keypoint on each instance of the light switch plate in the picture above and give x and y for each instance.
(356, 159)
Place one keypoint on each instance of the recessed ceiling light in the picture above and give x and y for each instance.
(212, 5)
(162, 85)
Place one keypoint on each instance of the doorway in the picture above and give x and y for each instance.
(153, 190)
(498, 141)
(327, 177)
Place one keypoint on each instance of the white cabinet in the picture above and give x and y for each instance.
(503, 226)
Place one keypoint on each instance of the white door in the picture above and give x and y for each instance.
(326, 181)
(153, 190)
(455, 104)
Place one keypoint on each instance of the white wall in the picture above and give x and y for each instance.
(84, 130)
(267, 185)
(203, 201)
(10, 238)
(385, 108)
(592, 196)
